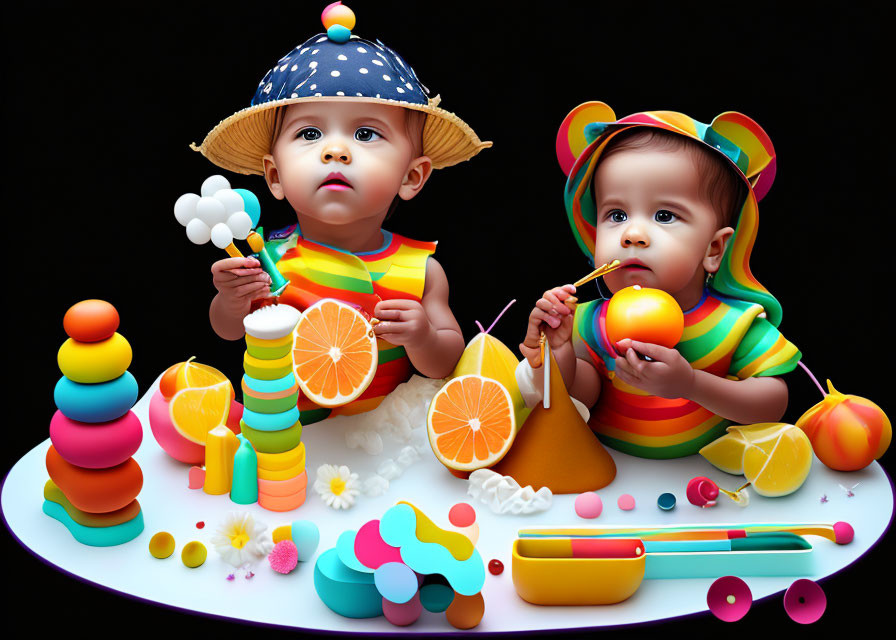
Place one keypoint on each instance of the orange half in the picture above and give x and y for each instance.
(471, 423)
(334, 352)
(195, 411)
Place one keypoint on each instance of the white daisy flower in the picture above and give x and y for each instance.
(240, 541)
(337, 486)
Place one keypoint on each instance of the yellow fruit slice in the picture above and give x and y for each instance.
(195, 411)
(727, 453)
(777, 458)
(335, 353)
(471, 423)
(194, 374)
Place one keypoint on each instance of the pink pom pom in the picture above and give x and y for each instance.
(284, 556)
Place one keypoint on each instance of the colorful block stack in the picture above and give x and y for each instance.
(271, 416)
(94, 481)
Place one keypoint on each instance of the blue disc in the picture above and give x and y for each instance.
(666, 501)
(100, 402)
(338, 33)
(396, 582)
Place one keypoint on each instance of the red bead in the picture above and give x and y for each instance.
(462, 515)
(496, 567)
(200, 525)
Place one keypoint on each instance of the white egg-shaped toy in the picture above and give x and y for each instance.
(210, 211)
(185, 208)
(212, 185)
(198, 232)
(221, 235)
(240, 224)
(231, 200)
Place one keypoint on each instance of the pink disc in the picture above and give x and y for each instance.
(401, 615)
(729, 598)
(370, 548)
(96, 445)
(804, 601)
(462, 515)
(588, 505)
(626, 502)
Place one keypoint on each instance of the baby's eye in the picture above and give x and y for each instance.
(366, 135)
(664, 216)
(617, 215)
(309, 133)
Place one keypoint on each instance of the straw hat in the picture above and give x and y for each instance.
(341, 66)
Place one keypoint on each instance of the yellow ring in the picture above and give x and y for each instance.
(281, 461)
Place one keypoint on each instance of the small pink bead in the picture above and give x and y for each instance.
(462, 515)
(626, 502)
(588, 505)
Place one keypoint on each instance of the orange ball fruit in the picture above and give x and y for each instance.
(847, 432)
(645, 315)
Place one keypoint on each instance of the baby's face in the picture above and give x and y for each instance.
(340, 162)
(652, 217)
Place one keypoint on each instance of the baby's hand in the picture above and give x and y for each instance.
(239, 281)
(667, 374)
(552, 316)
(402, 322)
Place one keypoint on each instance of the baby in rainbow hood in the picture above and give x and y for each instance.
(675, 201)
(342, 129)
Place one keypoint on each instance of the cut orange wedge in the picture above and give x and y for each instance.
(471, 423)
(195, 411)
(334, 352)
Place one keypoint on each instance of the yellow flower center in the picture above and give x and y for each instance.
(239, 539)
(337, 486)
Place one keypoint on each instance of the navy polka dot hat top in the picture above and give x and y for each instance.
(321, 67)
(336, 66)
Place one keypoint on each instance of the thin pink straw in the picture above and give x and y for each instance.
(806, 369)
(481, 330)
(500, 314)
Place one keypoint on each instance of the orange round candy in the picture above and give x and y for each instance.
(90, 321)
(645, 315)
(96, 490)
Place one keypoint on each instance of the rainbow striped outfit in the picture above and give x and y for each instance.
(316, 271)
(723, 336)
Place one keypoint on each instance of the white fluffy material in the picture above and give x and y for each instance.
(503, 494)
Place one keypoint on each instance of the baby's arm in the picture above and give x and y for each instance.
(427, 329)
(238, 281)
(669, 375)
(554, 318)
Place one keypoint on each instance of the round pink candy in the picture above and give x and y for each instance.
(588, 505)
(626, 502)
(462, 515)
(97, 445)
(401, 615)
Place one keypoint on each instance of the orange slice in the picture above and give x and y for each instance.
(334, 352)
(471, 423)
(196, 410)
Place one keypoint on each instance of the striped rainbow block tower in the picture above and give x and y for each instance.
(94, 481)
(271, 416)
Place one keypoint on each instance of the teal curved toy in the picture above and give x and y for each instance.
(349, 593)
(398, 528)
(96, 536)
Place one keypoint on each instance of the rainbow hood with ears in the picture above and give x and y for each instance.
(588, 129)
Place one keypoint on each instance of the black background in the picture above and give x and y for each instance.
(100, 103)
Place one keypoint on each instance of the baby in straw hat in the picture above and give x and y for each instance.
(342, 129)
(675, 201)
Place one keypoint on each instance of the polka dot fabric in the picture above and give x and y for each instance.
(357, 68)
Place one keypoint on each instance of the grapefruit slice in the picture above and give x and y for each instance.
(334, 352)
(471, 423)
(195, 411)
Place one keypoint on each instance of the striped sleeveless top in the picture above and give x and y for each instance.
(724, 336)
(315, 271)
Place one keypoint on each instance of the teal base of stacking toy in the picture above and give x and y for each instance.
(96, 536)
(345, 591)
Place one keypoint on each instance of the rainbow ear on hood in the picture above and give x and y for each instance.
(752, 139)
(571, 140)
